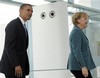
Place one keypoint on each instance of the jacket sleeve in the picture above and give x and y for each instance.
(10, 41)
(76, 41)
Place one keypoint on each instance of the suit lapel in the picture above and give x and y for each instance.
(22, 31)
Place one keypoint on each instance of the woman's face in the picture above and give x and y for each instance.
(83, 21)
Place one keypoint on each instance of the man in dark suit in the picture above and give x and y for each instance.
(14, 62)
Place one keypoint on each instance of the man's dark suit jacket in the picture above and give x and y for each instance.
(15, 49)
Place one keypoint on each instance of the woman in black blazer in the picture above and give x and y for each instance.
(14, 62)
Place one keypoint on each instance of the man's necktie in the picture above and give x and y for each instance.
(25, 29)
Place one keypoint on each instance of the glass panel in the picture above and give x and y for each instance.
(93, 34)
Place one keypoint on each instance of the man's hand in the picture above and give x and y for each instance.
(18, 71)
(85, 72)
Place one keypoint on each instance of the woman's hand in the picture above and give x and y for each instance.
(85, 72)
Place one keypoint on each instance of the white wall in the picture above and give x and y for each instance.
(50, 40)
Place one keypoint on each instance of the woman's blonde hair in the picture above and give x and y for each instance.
(77, 16)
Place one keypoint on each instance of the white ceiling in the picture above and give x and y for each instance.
(37, 2)
(33, 2)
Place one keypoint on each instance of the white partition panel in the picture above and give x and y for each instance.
(52, 74)
(50, 39)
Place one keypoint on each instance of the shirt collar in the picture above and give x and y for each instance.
(21, 20)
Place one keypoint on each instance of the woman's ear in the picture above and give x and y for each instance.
(78, 21)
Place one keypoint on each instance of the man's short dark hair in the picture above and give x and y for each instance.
(23, 5)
